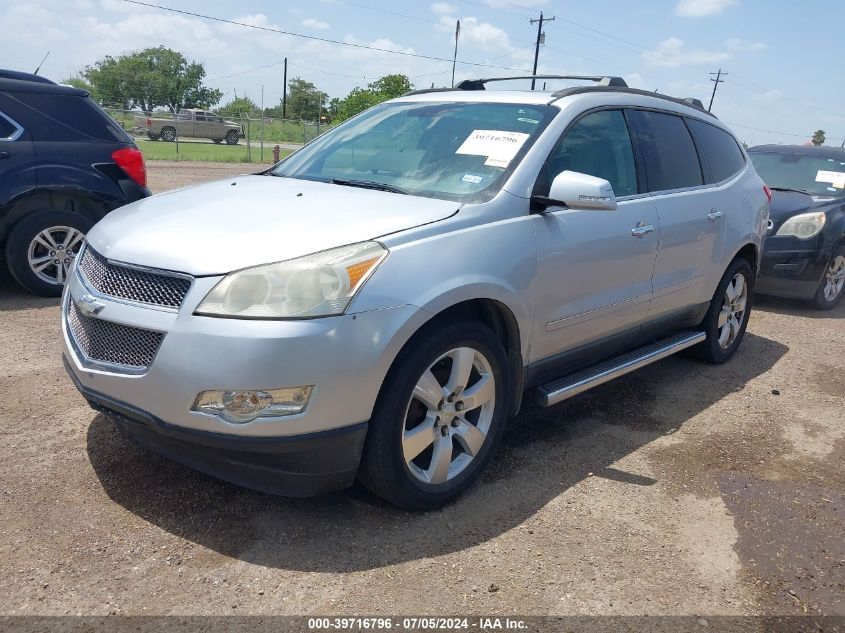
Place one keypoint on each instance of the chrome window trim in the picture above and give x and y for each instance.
(140, 304)
(18, 129)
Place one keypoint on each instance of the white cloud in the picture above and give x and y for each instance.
(769, 96)
(671, 53)
(443, 8)
(702, 8)
(311, 23)
(741, 46)
(505, 4)
(484, 35)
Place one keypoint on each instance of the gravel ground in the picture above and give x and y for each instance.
(681, 489)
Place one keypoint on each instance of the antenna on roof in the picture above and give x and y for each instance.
(41, 64)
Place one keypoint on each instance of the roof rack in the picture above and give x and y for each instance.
(478, 84)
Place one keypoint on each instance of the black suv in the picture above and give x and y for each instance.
(64, 164)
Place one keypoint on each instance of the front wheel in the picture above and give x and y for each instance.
(440, 414)
(727, 316)
(833, 283)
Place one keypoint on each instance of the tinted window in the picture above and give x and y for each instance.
(6, 128)
(199, 116)
(69, 118)
(719, 150)
(598, 145)
(670, 158)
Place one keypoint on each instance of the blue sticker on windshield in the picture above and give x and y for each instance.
(472, 178)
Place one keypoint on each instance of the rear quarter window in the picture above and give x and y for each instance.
(671, 161)
(64, 117)
(719, 150)
(7, 130)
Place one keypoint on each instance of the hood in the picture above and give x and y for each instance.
(785, 204)
(221, 226)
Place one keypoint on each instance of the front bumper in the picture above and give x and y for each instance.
(788, 270)
(292, 466)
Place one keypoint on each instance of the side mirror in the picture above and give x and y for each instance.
(580, 191)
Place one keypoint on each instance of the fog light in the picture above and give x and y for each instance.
(244, 406)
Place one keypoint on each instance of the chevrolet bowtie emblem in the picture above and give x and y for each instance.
(88, 305)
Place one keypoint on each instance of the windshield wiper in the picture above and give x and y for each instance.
(368, 184)
(791, 189)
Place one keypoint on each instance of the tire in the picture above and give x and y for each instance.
(153, 137)
(217, 140)
(231, 137)
(168, 134)
(42, 237)
(418, 483)
(832, 286)
(725, 324)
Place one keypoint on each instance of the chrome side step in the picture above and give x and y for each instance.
(559, 390)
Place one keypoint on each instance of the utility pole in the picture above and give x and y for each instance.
(285, 91)
(455, 57)
(716, 78)
(541, 38)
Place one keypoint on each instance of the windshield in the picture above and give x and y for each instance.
(454, 151)
(817, 175)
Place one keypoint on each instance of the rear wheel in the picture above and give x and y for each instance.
(231, 137)
(727, 316)
(42, 247)
(832, 286)
(439, 417)
(168, 134)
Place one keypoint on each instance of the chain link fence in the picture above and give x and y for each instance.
(205, 136)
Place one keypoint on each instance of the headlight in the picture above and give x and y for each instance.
(316, 285)
(804, 226)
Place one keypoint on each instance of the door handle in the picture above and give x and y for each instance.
(5, 155)
(642, 230)
(714, 215)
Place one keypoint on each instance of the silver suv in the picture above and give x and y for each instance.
(377, 304)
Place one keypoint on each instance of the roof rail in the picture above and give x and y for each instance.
(694, 102)
(478, 84)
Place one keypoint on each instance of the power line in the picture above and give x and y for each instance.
(312, 37)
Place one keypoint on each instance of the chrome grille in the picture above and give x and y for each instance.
(132, 284)
(107, 342)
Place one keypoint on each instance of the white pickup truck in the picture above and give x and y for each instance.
(189, 123)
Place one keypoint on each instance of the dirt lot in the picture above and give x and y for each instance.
(681, 489)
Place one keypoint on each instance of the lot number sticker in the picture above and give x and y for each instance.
(498, 146)
(835, 178)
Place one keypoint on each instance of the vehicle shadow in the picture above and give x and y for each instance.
(544, 452)
(796, 307)
(13, 297)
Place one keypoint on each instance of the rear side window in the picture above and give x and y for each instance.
(64, 117)
(7, 130)
(719, 150)
(671, 161)
(599, 145)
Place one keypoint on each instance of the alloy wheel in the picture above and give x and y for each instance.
(449, 415)
(834, 278)
(52, 251)
(733, 310)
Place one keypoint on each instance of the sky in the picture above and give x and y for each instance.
(782, 57)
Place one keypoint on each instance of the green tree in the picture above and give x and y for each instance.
(305, 100)
(151, 78)
(240, 106)
(79, 82)
(818, 137)
(359, 99)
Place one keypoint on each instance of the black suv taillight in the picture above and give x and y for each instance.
(131, 160)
